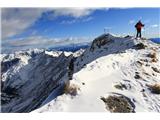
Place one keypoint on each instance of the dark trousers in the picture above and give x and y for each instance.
(139, 34)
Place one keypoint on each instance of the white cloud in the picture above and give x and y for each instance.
(76, 20)
(39, 42)
(68, 21)
(73, 12)
(87, 19)
(154, 26)
(16, 20)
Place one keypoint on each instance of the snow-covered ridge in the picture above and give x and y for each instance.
(113, 67)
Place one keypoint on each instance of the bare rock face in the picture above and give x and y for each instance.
(7, 64)
(101, 41)
(25, 89)
(118, 104)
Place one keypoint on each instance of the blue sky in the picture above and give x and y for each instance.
(42, 27)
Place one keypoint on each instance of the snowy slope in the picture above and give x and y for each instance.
(112, 61)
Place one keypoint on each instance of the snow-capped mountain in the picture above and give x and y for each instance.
(115, 74)
(28, 77)
(120, 69)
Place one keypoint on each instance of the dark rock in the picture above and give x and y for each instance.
(139, 63)
(151, 55)
(101, 41)
(154, 88)
(71, 68)
(155, 70)
(118, 104)
(6, 65)
(127, 36)
(137, 76)
(120, 86)
(140, 46)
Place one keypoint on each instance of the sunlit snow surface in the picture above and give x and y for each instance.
(105, 67)
(96, 72)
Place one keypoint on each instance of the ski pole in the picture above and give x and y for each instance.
(144, 32)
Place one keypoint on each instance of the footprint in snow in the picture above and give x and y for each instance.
(115, 65)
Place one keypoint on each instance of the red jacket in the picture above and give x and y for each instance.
(139, 26)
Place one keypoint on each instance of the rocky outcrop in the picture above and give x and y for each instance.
(7, 64)
(118, 103)
(101, 41)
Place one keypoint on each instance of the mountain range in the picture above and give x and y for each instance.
(112, 74)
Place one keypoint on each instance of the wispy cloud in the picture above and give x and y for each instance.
(77, 20)
(87, 19)
(39, 42)
(74, 12)
(69, 21)
(154, 26)
(17, 20)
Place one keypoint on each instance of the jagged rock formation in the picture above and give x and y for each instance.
(26, 86)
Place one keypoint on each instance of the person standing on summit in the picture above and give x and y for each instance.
(139, 26)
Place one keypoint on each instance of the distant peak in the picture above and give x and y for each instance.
(109, 34)
(106, 35)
